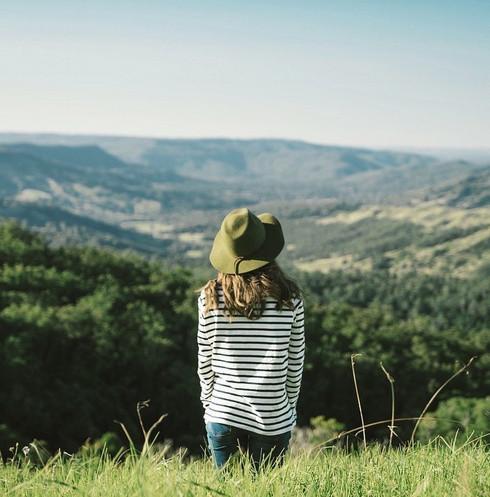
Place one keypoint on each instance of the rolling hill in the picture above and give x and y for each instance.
(341, 207)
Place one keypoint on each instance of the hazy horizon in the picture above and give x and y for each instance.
(408, 148)
(382, 75)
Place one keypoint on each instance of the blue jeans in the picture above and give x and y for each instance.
(224, 441)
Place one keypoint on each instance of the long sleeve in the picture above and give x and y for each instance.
(204, 369)
(296, 354)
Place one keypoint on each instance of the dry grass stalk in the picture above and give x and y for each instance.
(352, 357)
(391, 426)
(459, 371)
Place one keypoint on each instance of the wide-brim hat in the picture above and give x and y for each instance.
(246, 242)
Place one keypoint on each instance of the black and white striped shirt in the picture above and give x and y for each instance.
(250, 370)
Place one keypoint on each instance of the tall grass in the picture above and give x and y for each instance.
(436, 469)
(440, 468)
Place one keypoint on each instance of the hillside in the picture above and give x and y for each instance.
(341, 207)
(272, 169)
(473, 191)
(426, 236)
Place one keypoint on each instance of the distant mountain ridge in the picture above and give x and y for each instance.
(471, 192)
(216, 158)
(166, 197)
(77, 155)
(272, 168)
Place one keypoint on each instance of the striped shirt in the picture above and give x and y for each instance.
(250, 370)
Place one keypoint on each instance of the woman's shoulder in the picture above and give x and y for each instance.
(201, 299)
(298, 302)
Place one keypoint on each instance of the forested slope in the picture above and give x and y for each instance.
(85, 334)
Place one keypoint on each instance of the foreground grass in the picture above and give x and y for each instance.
(424, 470)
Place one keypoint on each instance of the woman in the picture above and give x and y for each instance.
(251, 342)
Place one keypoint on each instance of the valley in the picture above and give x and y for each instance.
(341, 208)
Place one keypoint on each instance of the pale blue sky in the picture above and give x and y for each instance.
(372, 73)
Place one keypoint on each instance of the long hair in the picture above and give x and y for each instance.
(244, 294)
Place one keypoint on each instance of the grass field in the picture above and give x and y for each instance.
(435, 469)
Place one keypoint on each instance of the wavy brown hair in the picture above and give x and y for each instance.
(244, 294)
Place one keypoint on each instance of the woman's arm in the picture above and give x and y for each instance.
(206, 375)
(296, 354)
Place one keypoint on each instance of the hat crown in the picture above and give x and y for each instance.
(243, 232)
(246, 241)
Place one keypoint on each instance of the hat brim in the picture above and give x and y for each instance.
(224, 261)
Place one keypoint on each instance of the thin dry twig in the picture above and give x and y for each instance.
(139, 406)
(459, 371)
(147, 445)
(358, 397)
(391, 426)
(128, 436)
(146, 433)
(357, 429)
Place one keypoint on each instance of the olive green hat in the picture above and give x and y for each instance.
(246, 242)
